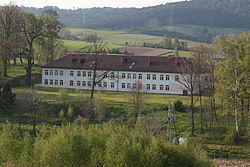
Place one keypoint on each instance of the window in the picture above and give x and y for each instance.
(167, 87)
(134, 86)
(71, 73)
(123, 85)
(46, 82)
(148, 86)
(89, 74)
(112, 85)
(51, 82)
(148, 76)
(89, 84)
(161, 87)
(153, 87)
(51, 72)
(161, 77)
(71, 83)
(56, 72)
(61, 82)
(206, 78)
(100, 84)
(61, 72)
(140, 76)
(185, 92)
(105, 84)
(176, 77)
(78, 83)
(139, 86)
(84, 73)
(83, 83)
(56, 82)
(134, 76)
(129, 76)
(123, 75)
(154, 76)
(167, 77)
(112, 75)
(129, 85)
(46, 72)
(78, 73)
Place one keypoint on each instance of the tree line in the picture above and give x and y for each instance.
(22, 34)
(217, 13)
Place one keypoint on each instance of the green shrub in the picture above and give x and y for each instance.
(179, 106)
(94, 146)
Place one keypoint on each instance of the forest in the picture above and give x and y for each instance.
(216, 13)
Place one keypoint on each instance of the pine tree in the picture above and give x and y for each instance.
(7, 100)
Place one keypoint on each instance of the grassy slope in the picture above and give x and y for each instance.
(118, 103)
(188, 29)
(117, 39)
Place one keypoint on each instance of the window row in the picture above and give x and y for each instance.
(53, 82)
(111, 75)
(52, 72)
(148, 86)
(148, 76)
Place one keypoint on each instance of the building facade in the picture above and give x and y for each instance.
(124, 74)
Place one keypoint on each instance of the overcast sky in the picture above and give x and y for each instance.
(69, 4)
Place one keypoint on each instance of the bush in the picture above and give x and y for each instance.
(179, 106)
(95, 146)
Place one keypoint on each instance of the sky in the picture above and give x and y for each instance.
(70, 4)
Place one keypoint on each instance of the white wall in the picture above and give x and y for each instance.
(175, 87)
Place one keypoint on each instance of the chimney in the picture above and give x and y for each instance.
(177, 61)
(149, 61)
(122, 59)
(104, 53)
(73, 58)
(81, 61)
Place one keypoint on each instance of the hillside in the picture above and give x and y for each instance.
(216, 13)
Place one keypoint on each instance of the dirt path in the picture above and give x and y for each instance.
(231, 163)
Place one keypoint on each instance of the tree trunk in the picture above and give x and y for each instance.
(201, 112)
(14, 61)
(214, 115)
(192, 114)
(236, 106)
(5, 67)
(248, 107)
(94, 78)
(34, 124)
(29, 72)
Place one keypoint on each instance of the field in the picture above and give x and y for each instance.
(117, 39)
(189, 29)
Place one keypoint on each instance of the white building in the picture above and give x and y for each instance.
(121, 73)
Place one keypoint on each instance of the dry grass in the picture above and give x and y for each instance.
(231, 163)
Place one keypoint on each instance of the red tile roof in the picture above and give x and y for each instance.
(169, 64)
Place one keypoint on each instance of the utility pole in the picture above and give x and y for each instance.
(169, 124)
(170, 121)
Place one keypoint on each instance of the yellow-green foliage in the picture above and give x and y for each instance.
(106, 145)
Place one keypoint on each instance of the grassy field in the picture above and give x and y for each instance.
(80, 45)
(189, 29)
(117, 39)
